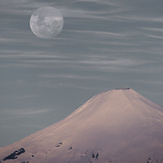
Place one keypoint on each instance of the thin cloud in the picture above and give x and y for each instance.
(102, 34)
(114, 62)
(104, 2)
(155, 36)
(132, 18)
(153, 29)
(21, 7)
(70, 76)
(21, 54)
(150, 82)
(70, 85)
(25, 111)
(24, 96)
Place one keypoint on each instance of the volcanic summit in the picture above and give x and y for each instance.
(117, 126)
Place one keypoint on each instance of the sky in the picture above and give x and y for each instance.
(103, 45)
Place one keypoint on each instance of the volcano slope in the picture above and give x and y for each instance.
(118, 126)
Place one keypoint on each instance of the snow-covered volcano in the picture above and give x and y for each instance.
(118, 126)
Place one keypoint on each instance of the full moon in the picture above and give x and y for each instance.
(46, 22)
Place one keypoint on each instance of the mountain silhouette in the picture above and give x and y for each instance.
(117, 126)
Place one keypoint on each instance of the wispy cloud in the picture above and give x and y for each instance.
(115, 62)
(21, 54)
(71, 76)
(153, 29)
(24, 111)
(155, 36)
(104, 2)
(139, 18)
(82, 87)
(24, 96)
(21, 7)
(31, 112)
(98, 34)
(150, 82)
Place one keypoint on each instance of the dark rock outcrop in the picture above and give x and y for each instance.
(14, 154)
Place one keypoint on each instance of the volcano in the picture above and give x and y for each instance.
(117, 126)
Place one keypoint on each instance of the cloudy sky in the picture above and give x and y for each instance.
(104, 44)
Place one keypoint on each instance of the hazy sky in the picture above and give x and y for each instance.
(104, 44)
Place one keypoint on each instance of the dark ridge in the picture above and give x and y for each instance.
(93, 156)
(122, 88)
(14, 154)
(97, 155)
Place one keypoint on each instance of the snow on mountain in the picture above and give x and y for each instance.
(118, 126)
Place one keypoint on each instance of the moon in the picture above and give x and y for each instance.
(46, 22)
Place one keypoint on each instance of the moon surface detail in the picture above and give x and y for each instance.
(46, 22)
